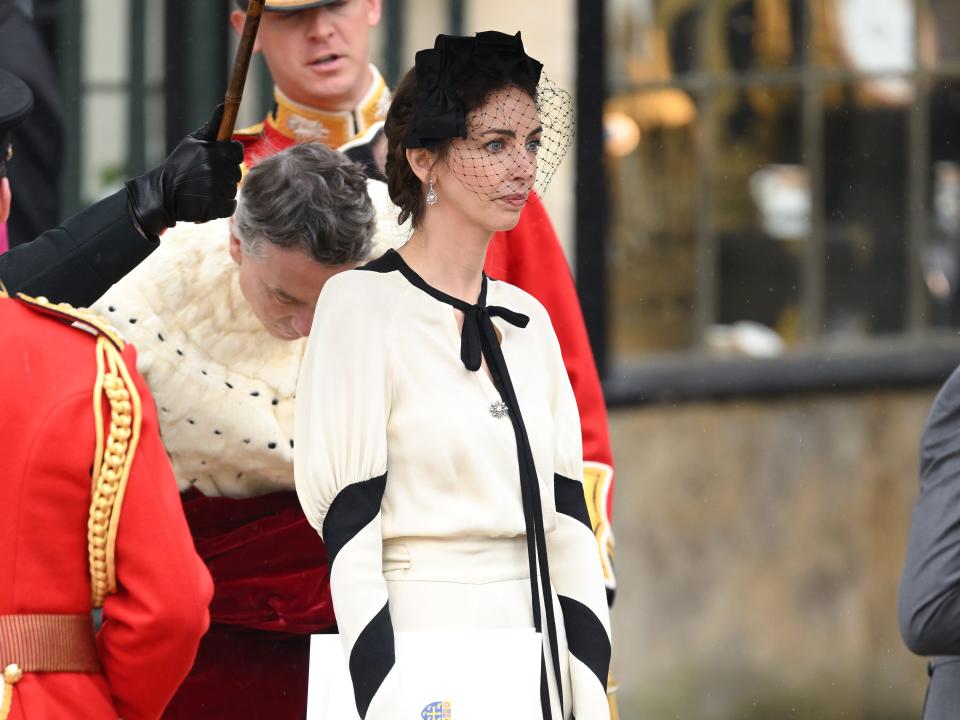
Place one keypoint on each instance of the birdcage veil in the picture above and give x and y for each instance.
(521, 124)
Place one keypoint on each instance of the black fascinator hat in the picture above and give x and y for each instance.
(447, 75)
(443, 70)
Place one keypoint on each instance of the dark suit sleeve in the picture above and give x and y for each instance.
(930, 586)
(79, 261)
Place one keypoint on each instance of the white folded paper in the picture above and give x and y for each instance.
(449, 675)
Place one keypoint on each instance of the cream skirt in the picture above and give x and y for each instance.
(468, 584)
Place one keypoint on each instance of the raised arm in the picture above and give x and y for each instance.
(78, 261)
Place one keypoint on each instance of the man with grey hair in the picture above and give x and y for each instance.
(219, 314)
(219, 324)
(311, 202)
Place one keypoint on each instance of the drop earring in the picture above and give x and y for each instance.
(431, 193)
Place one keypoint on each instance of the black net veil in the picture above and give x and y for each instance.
(514, 141)
(519, 124)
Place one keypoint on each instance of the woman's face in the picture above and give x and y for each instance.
(489, 175)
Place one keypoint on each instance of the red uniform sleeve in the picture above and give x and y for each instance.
(153, 624)
(530, 257)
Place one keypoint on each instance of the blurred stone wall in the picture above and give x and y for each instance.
(759, 549)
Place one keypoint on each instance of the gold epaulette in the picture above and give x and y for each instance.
(111, 465)
(117, 436)
(86, 319)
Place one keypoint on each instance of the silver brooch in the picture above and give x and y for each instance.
(499, 409)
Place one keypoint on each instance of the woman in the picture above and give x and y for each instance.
(438, 445)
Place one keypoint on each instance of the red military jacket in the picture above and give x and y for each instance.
(157, 611)
(529, 256)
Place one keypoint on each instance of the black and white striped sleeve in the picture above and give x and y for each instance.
(340, 459)
(575, 567)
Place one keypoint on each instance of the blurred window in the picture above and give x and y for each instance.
(783, 176)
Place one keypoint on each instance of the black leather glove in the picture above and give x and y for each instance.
(198, 182)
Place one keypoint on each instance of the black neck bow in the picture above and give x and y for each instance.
(442, 72)
(478, 340)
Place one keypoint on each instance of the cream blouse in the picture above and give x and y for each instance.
(395, 437)
(384, 379)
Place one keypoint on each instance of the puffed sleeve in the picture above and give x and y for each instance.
(575, 567)
(153, 624)
(340, 469)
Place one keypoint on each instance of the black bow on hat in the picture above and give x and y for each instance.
(442, 71)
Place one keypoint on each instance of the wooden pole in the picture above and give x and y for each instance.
(241, 64)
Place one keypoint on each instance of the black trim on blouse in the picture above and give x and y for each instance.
(372, 658)
(354, 507)
(478, 338)
(586, 637)
(474, 316)
(568, 495)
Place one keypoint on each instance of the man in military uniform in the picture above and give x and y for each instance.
(89, 517)
(79, 261)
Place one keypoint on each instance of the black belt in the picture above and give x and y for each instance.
(48, 643)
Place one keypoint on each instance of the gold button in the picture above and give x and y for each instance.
(12, 674)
